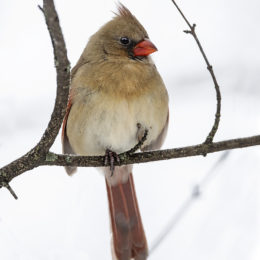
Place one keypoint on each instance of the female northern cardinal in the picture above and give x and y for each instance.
(116, 94)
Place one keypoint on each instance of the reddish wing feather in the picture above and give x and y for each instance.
(63, 133)
(66, 147)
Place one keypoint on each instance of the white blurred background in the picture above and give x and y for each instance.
(58, 217)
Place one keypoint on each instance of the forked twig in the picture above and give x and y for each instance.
(192, 31)
(6, 185)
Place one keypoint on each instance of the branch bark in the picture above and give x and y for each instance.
(132, 158)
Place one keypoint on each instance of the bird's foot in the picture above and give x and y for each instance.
(110, 158)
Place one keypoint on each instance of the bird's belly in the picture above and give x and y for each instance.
(112, 124)
(112, 128)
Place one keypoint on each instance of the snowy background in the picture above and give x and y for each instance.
(58, 217)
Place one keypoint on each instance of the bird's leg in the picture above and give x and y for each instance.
(110, 158)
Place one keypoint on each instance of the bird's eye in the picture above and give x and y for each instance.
(124, 40)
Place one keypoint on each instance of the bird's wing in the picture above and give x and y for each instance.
(66, 147)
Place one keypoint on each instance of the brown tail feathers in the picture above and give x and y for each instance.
(129, 239)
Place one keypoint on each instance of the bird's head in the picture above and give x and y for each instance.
(122, 37)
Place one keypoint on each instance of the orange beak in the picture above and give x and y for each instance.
(144, 48)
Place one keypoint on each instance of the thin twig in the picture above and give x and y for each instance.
(141, 142)
(41, 9)
(6, 185)
(192, 31)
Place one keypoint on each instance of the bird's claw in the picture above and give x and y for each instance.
(110, 158)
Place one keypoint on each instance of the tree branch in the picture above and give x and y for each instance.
(126, 158)
(214, 128)
(36, 155)
(62, 65)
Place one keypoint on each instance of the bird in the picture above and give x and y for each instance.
(116, 96)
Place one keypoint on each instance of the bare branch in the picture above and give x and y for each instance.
(62, 65)
(34, 157)
(126, 158)
(214, 128)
